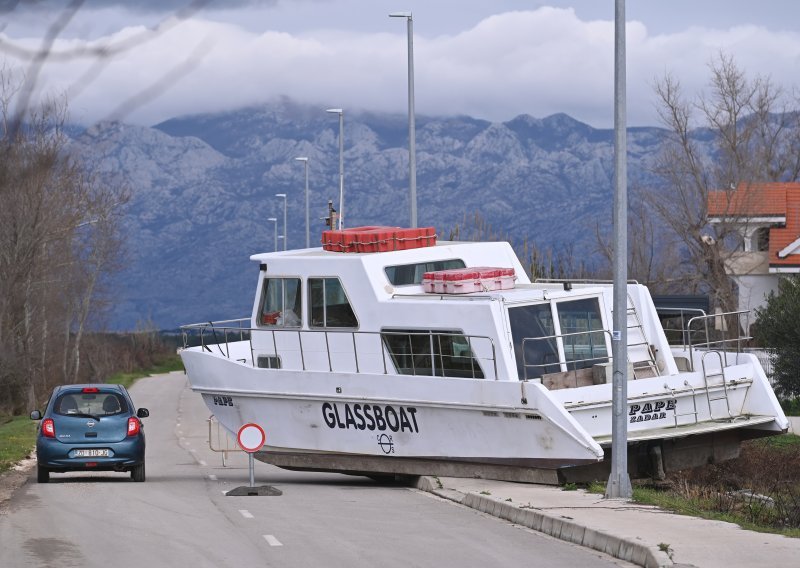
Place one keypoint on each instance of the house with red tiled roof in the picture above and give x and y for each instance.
(767, 218)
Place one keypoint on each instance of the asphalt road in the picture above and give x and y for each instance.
(181, 517)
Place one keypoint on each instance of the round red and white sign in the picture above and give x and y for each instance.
(251, 437)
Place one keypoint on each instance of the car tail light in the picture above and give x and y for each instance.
(91, 390)
(48, 428)
(134, 425)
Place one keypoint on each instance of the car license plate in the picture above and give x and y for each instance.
(91, 453)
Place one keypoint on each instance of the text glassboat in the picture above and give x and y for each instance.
(385, 352)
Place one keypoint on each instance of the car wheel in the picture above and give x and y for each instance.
(42, 474)
(137, 473)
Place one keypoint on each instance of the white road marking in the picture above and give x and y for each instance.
(246, 514)
(211, 476)
(193, 450)
(272, 540)
(202, 462)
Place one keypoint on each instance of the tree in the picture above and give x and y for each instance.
(777, 327)
(59, 242)
(60, 237)
(653, 260)
(742, 131)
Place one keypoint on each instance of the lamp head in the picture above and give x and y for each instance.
(301, 159)
(401, 15)
(335, 110)
(280, 195)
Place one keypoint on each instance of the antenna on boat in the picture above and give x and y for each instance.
(330, 220)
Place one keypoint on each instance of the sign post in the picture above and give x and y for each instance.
(251, 438)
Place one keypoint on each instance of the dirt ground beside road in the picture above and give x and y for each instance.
(13, 479)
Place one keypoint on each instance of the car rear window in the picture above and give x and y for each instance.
(96, 403)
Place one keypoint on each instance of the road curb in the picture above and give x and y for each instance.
(557, 527)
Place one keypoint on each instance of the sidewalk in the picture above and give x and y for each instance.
(635, 533)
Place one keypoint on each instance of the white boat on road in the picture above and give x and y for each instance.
(385, 352)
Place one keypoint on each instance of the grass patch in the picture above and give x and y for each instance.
(171, 363)
(759, 490)
(17, 439)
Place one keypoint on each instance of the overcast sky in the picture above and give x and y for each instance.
(492, 59)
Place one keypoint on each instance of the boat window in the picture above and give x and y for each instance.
(329, 306)
(269, 362)
(406, 274)
(535, 345)
(437, 353)
(582, 332)
(281, 305)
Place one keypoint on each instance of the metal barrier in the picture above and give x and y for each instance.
(220, 441)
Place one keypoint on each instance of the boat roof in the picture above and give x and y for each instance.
(499, 254)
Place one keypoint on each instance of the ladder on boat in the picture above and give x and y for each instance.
(711, 375)
(640, 345)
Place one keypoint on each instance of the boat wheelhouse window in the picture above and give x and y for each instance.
(328, 304)
(535, 346)
(434, 352)
(582, 333)
(406, 274)
(281, 304)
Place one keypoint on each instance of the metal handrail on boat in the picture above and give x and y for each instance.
(214, 327)
(574, 362)
(211, 330)
(699, 333)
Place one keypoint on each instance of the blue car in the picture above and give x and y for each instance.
(90, 428)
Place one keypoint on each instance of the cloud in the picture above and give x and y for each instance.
(537, 62)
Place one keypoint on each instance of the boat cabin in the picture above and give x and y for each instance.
(450, 309)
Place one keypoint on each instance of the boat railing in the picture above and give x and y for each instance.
(576, 354)
(723, 332)
(422, 353)
(578, 281)
(207, 332)
(677, 333)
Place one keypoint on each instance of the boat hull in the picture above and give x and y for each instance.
(394, 418)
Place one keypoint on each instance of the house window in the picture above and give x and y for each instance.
(432, 353)
(328, 304)
(281, 305)
(761, 239)
(407, 274)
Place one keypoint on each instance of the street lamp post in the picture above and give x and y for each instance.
(284, 218)
(274, 220)
(308, 234)
(412, 153)
(619, 482)
(340, 112)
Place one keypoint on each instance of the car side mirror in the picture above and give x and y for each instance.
(36, 415)
(142, 413)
